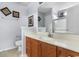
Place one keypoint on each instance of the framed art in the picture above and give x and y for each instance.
(30, 21)
(6, 11)
(15, 14)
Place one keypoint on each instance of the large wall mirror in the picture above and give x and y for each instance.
(65, 20)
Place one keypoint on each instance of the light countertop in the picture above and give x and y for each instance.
(67, 41)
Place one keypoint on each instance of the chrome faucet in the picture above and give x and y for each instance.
(50, 35)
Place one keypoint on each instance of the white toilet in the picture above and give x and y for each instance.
(19, 45)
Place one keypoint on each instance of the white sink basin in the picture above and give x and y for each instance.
(60, 44)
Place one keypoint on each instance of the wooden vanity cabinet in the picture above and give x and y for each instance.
(36, 48)
(48, 50)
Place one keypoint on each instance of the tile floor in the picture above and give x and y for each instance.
(10, 53)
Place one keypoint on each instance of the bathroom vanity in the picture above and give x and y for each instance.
(39, 46)
(63, 25)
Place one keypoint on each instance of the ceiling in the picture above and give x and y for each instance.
(52, 4)
(56, 6)
(44, 10)
(23, 3)
(46, 6)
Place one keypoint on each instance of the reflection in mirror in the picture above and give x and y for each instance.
(60, 24)
(41, 22)
(40, 2)
(55, 18)
(45, 20)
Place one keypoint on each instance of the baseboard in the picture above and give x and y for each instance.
(7, 49)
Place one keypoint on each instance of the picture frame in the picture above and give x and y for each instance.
(31, 21)
(15, 14)
(5, 11)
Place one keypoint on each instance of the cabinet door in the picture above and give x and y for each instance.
(72, 53)
(61, 52)
(48, 50)
(35, 48)
(28, 46)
